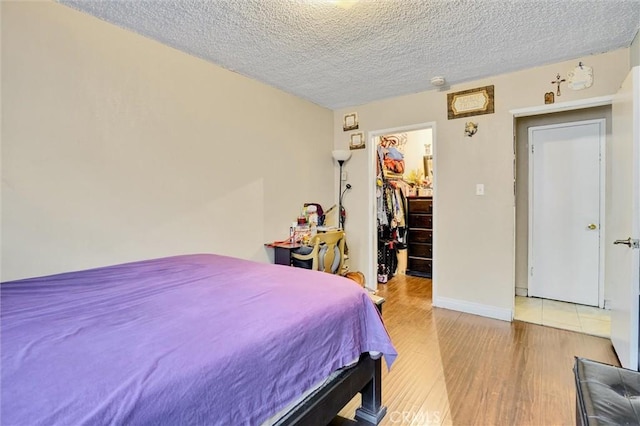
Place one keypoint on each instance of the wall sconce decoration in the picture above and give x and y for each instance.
(350, 122)
(357, 141)
(470, 128)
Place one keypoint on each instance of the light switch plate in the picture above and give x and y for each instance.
(479, 189)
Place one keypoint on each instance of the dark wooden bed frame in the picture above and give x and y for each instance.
(323, 405)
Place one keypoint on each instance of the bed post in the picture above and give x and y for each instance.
(371, 409)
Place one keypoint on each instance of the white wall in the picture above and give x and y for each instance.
(474, 235)
(117, 148)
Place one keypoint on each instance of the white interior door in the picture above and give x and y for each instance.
(564, 211)
(622, 264)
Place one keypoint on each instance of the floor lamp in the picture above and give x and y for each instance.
(341, 155)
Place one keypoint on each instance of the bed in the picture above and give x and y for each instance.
(193, 339)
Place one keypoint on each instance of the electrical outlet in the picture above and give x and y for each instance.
(344, 175)
(479, 189)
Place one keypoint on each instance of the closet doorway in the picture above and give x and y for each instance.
(402, 202)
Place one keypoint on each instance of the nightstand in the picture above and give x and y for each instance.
(282, 252)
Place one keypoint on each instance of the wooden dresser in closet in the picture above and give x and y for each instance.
(420, 236)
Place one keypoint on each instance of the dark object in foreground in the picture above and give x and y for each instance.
(322, 406)
(605, 394)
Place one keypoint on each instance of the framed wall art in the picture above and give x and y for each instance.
(357, 141)
(350, 122)
(470, 102)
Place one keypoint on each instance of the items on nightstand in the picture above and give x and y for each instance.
(312, 215)
(315, 214)
(302, 230)
(292, 232)
(302, 234)
(305, 227)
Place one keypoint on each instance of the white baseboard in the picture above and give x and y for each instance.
(473, 308)
(521, 291)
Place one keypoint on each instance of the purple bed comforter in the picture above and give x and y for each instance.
(195, 339)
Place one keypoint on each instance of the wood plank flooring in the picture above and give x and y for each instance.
(460, 369)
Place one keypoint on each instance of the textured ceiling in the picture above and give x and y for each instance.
(340, 53)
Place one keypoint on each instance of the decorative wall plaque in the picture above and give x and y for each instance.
(470, 128)
(357, 141)
(470, 102)
(350, 121)
(581, 77)
(549, 98)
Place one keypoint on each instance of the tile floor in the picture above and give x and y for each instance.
(567, 316)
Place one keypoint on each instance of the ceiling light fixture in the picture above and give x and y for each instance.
(438, 81)
(344, 4)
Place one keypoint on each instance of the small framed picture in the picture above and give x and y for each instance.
(350, 122)
(548, 98)
(357, 141)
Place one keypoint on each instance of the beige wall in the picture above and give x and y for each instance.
(474, 235)
(116, 148)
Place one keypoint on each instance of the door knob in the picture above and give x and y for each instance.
(632, 243)
(592, 226)
(625, 242)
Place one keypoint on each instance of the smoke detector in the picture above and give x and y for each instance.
(438, 81)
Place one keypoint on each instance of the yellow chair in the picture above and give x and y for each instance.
(325, 252)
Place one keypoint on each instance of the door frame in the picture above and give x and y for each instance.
(372, 239)
(539, 110)
(602, 197)
(624, 316)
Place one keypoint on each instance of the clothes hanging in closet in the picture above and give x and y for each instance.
(391, 218)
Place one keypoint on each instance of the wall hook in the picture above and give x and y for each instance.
(470, 128)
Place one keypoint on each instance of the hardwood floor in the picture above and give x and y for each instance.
(459, 369)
